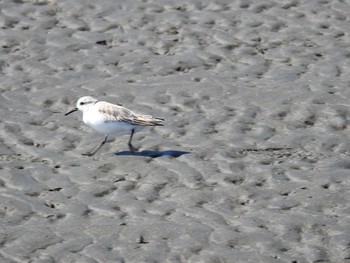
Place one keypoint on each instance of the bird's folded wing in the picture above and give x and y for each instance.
(121, 114)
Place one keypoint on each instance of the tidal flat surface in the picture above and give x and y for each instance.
(255, 93)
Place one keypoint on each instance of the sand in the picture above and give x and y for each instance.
(256, 93)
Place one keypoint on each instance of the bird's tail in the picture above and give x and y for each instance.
(148, 120)
(158, 121)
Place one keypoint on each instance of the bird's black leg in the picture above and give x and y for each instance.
(131, 147)
(99, 147)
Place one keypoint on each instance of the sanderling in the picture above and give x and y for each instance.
(111, 119)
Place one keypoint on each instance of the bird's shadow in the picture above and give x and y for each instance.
(153, 154)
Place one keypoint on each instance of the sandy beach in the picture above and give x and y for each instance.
(252, 164)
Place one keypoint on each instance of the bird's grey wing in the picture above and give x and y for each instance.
(115, 112)
(121, 114)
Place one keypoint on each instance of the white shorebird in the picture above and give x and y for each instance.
(111, 119)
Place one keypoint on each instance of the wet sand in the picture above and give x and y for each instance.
(256, 93)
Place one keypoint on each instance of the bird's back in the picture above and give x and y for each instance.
(118, 113)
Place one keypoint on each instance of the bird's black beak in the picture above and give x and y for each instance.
(69, 112)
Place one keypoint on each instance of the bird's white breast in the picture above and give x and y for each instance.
(99, 121)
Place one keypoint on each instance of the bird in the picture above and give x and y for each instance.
(111, 119)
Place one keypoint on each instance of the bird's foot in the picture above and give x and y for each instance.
(132, 148)
(89, 154)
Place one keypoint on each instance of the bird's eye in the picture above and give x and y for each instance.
(82, 103)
